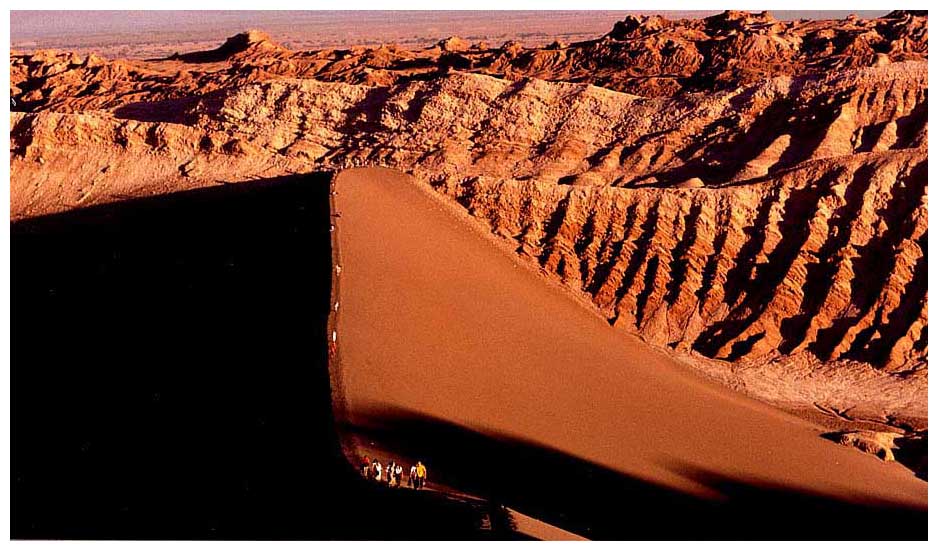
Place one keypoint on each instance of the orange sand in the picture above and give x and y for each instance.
(437, 320)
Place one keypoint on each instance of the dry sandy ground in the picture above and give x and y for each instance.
(437, 322)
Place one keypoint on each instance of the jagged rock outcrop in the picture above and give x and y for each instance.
(909, 449)
(875, 443)
(778, 225)
(649, 56)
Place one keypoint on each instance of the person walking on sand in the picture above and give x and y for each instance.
(421, 475)
(412, 480)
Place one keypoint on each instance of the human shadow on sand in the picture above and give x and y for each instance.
(599, 503)
(170, 381)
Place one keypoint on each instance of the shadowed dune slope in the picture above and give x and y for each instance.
(437, 321)
(169, 376)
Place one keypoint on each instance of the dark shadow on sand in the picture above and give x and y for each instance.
(169, 376)
(600, 503)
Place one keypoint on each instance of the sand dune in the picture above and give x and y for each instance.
(742, 194)
(437, 321)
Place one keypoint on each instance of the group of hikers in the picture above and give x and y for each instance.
(392, 473)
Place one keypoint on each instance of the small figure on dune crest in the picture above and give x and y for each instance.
(421, 475)
(389, 473)
(398, 473)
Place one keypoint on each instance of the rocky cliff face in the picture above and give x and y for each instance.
(778, 224)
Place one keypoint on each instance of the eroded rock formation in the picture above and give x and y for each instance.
(910, 450)
(649, 56)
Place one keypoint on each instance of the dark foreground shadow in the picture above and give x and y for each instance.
(169, 376)
(599, 503)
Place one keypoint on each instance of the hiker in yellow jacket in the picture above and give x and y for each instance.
(421, 473)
